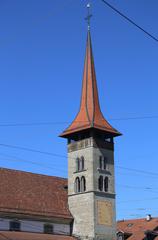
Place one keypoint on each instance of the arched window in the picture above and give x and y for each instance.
(82, 163)
(106, 180)
(77, 185)
(77, 164)
(83, 184)
(100, 183)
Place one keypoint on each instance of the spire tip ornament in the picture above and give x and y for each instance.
(88, 5)
(88, 15)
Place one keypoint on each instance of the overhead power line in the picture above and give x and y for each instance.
(32, 150)
(149, 189)
(66, 122)
(125, 173)
(129, 20)
(14, 158)
(137, 188)
(147, 209)
(139, 171)
(43, 166)
(55, 168)
(138, 200)
(62, 156)
(31, 124)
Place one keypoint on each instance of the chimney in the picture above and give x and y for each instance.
(148, 217)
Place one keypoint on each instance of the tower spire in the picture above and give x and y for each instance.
(89, 115)
(90, 147)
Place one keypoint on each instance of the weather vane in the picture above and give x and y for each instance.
(88, 18)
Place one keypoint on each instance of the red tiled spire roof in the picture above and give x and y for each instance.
(90, 115)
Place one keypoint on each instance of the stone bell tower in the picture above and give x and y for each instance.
(91, 188)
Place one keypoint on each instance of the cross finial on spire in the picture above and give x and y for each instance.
(88, 15)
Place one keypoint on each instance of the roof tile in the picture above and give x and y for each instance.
(28, 193)
(137, 227)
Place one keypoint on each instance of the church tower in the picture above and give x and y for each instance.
(91, 188)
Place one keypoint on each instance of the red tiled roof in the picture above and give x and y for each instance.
(35, 194)
(137, 227)
(31, 236)
(90, 115)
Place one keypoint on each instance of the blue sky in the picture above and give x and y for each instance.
(42, 48)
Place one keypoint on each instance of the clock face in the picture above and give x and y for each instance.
(105, 213)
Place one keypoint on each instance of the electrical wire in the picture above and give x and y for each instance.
(138, 171)
(54, 168)
(62, 156)
(66, 122)
(43, 167)
(61, 169)
(129, 20)
(138, 200)
(138, 209)
(32, 150)
(15, 158)
(137, 188)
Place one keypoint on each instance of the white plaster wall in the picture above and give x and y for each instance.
(31, 226)
(35, 226)
(4, 224)
(62, 228)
